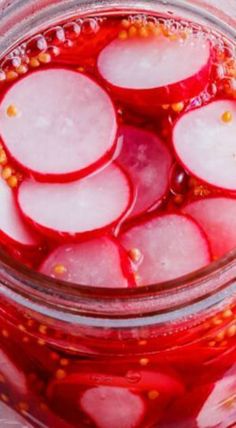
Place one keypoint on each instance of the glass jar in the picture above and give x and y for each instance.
(154, 357)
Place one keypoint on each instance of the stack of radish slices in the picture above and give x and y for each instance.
(88, 182)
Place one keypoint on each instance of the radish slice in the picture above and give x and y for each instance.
(10, 418)
(12, 228)
(12, 374)
(148, 163)
(206, 145)
(165, 243)
(100, 262)
(149, 71)
(77, 208)
(113, 407)
(217, 217)
(57, 133)
(219, 408)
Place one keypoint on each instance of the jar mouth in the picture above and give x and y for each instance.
(188, 290)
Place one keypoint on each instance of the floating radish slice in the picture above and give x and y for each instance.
(219, 408)
(12, 374)
(148, 163)
(101, 262)
(10, 418)
(57, 133)
(149, 71)
(12, 228)
(165, 243)
(206, 145)
(72, 209)
(113, 407)
(217, 217)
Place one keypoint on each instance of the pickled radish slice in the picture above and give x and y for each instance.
(204, 141)
(99, 262)
(113, 407)
(73, 209)
(57, 133)
(219, 408)
(148, 163)
(217, 217)
(150, 70)
(12, 228)
(10, 418)
(12, 374)
(165, 243)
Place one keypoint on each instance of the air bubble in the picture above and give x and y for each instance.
(55, 36)
(90, 26)
(179, 180)
(133, 377)
(72, 30)
(36, 45)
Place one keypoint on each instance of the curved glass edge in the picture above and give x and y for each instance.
(94, 306)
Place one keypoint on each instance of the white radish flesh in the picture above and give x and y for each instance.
(61, 125)
(166, 243)
(217, 217)
(77, 208)
(154, 65)
(99, 262)
(12, 228)
(148, 162)
(204, 141)
(108, 407)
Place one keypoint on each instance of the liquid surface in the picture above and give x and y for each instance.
(105, 132)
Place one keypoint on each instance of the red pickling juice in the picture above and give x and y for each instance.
(118, 177)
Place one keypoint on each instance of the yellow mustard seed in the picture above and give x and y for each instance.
(44, 57)
(11, 75)
(227, 117)
(133, 31)
(123, 35)
(144, 361)
(42, 329)
(22, 69)
(125, 23)
(177, 107)
(60, 374)
(143, 32)
(227, 314)
(12, 111)
(135, 254)
(59, 269)
(12, 181)
(153, 395)
(231, 330)
(6, 172)
(34, 62)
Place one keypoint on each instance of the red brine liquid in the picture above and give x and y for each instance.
(118, 169)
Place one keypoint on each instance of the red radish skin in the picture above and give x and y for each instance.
(113, 407)
(99, 262)
(13, 231)
(165, 242)
(148, 72)
(80, 209)
(217, 217)
(57, 134)
(205, 143)
(148, 162)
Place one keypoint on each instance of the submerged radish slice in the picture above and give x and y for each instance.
(12, 228)
(219, 409)
(217, 217)
(12, 374)
(10, 418)
(101, 262)
(108, 407)
(204, 141)
(148, 163)
(165, 243)
(152, 68)
(77, 208)
(57, 133)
